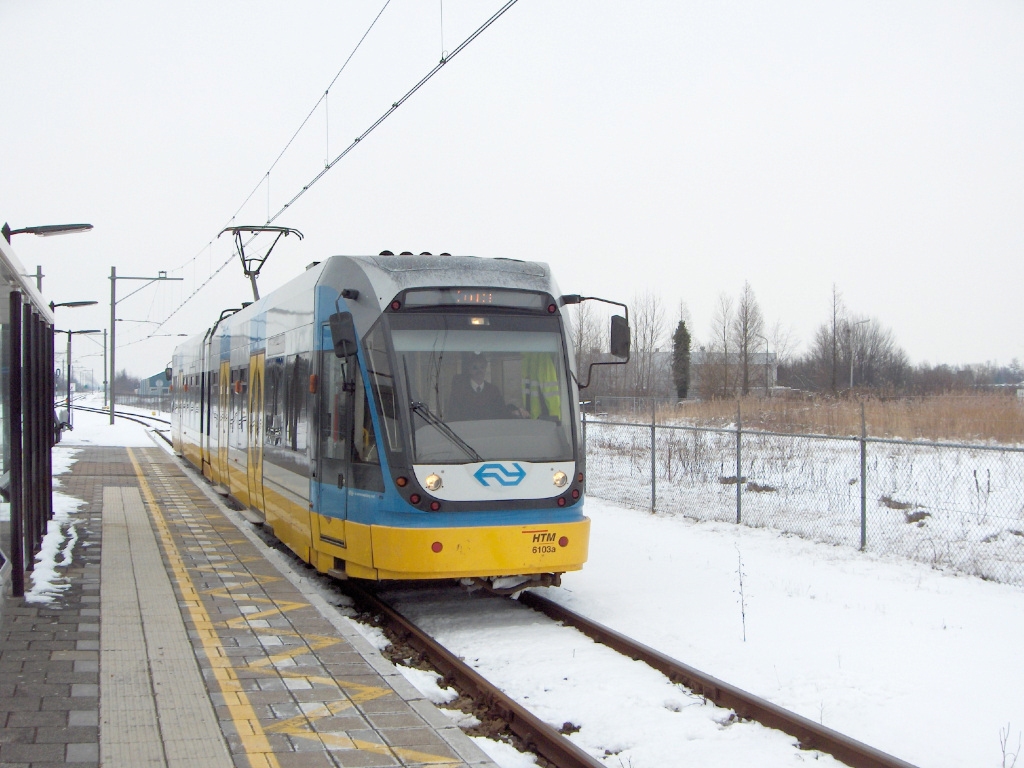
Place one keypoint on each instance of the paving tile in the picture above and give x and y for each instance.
(249, 634)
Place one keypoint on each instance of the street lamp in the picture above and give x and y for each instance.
(45, 230)
(70, 334)
(72, 304)
(114, 277)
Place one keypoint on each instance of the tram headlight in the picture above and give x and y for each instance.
(432, 482)
(560, 479)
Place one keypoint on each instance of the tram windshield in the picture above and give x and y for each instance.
(482, 387)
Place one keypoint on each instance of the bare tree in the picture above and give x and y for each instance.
(857, 350)
(873, 357)
(587, 334)
(747, 328)
(716, 369)
(648, 320)
(783, 342)
(838, 313)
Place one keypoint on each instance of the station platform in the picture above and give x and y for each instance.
(177, 642)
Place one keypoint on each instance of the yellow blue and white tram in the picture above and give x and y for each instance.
(399, 417)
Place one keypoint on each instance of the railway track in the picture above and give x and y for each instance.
(559, 751)
(535, 734)
(158, 425)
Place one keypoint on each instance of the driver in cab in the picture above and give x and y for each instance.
(474, 398)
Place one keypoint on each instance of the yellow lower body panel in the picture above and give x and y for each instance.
(378, 552)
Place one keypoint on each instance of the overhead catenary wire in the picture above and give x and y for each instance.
(266, 176)
(444, 60)
(387, 113)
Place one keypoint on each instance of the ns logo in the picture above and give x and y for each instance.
(500, 474)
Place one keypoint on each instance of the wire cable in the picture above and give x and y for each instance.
(265, 176)
(423, 81)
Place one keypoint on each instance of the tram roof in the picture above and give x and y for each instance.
(385, 276)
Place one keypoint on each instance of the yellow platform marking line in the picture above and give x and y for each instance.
(236, 702)
(254, 741)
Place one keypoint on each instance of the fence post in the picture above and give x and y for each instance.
(863, 480)
(654, 457)
(739, 478)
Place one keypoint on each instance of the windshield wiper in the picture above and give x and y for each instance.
(432, 419)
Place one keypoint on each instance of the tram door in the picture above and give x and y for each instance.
(223, 423)
(335, 428)
(254, 457)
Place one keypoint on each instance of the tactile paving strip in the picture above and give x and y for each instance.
(287, 687)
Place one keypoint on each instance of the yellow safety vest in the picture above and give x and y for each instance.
(541, 395)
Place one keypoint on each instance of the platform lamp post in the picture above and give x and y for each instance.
(46, 230)
(70, 334)
(114, 277)
(54, 306)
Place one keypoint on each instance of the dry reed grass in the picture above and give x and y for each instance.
(967, 418)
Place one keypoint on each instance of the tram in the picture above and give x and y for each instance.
(399, 417)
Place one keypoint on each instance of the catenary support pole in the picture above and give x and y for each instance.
(113, 304)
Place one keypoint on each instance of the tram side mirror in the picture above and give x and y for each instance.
(343, 334)
(620, 336)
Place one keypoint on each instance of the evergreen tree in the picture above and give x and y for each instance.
(681, 359)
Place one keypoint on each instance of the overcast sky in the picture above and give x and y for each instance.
(677, 148)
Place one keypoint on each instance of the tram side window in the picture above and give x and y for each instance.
(382, 381)
(273, 402)
(297, 402)
(214, 410)
(335, 429)
(239, 391)
(366, 470)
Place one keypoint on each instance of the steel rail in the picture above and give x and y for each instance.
(130, 416)
(811, 735)
(534, 732)
(159, 431)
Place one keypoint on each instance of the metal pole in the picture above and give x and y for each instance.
(31, 450)
(739, 463)
(68, 366)
(105, 403)
(39, 278)
(46, 418)
(17, 458)
(863, 480)
(113, 302)
(654, 457)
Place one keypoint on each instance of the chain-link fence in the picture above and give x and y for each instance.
(160, 403)
(954, 505)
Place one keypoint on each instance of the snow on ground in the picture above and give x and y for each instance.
(918, 662)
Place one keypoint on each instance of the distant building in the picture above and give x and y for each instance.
(714, 374)
(158, 384)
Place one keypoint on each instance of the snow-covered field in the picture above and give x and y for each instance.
(961, 507)
(919, 662)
